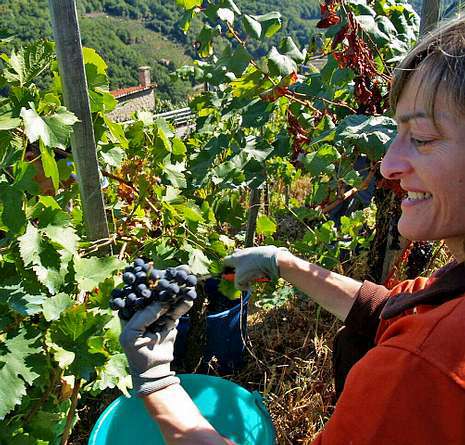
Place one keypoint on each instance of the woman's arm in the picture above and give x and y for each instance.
(335, 292)
(180, 422)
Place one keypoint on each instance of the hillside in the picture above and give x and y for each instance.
(142, 32)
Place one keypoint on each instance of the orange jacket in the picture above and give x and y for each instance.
(410, 388)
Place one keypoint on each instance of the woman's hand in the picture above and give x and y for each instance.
(150, 353)
(255, 262)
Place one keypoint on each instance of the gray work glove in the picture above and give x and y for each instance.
(150, 353)
(254, 262)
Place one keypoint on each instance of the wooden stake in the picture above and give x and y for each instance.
(254, 207)
(429, 15)
(73, 79)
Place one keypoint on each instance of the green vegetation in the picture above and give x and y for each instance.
(143, 32)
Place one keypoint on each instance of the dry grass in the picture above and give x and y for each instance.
(289, 362)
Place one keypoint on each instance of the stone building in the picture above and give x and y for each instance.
(131, 99)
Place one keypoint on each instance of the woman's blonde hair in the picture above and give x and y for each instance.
(439, 59)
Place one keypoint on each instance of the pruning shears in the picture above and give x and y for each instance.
(228, 274)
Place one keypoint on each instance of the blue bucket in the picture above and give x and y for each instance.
(224, 337)
(234, 412)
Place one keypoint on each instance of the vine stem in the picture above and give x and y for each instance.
(72, 410)
(43, 398)
(353, 191)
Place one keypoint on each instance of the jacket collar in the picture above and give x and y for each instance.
(449, 285)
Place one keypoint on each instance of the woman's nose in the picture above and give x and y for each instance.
(395, 163)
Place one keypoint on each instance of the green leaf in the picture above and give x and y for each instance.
(7, 121)
(29, 62)
(116, 132)
(225, 14)
(68, 338)
(178, 147)
(173, 173)
(54, 130)
(113, 374)
(280, 64)
(91, 57)
(265, 225)
(228, 290)
(252, 27)
(371, 134)
(317, 162)
(54, 306)
(369, 25)
(90, 272)
(189, 4)
(290, 49)
(114, 156)
(16, 372)
(270, 23)
(198, 262)
(239, 61)
(49, 164)
(20, 300)
(12, 216)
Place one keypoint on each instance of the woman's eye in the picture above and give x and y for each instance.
(420, 142)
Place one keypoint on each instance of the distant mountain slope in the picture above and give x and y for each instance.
(144, 31)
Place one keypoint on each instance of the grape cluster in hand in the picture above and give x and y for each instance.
(143, 285)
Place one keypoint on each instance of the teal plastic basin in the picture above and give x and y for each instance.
(234, 412)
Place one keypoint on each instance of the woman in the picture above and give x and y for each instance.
(410, 387)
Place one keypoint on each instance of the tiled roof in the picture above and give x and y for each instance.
(130, 90)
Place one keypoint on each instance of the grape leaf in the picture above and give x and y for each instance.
(173, 173)
(270, 23)
(189, 4)
(68, 338)
(265, 225)
(113, 373)
(90, 272)
(12, 216)
(225, 14)
(280, 64)
(20, 300)
(54, 306)
(16, 372)
(198, 262)
(252, 27)
(28, 62)
(54, 130)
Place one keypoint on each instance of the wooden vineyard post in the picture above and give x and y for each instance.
(254, 207)
(429, 15)
(76, 99)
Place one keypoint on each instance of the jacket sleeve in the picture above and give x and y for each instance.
(393, 396)
(363, 317)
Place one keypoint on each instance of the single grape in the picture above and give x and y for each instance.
(127, 290)
(140, 303)
(164, 296)
(140, 277)
(157, 274)
(129, 269)
(146, 293)
(191, 294)
(146, 268)
(125, 313)
(163, 284)
(131, 299)
(191, 280)
(117, 303)
(173, 288)
(170, 273)
(141, 286)
(181, 276)
(139, 262)
(129, 277)
(117, 293)
(138, 269)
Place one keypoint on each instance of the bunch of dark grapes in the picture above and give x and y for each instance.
(143, 284)
(419, 258)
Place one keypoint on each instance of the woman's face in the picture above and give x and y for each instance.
(429, 161)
